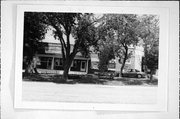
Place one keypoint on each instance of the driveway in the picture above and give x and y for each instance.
(52, 92)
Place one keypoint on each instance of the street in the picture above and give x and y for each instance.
(52, 92)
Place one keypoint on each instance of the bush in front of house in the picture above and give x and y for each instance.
(74, 76)
(106, 75)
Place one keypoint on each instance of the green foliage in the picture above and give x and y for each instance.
(103, 61)
(80, 26)
(84, 33)
(34, 32)
(149, 32)
(105, 56)
(119, 32)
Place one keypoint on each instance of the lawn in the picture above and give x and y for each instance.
(91, 79)
(88, 88)
(88, 93)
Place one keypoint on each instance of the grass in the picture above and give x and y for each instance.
(88, 79)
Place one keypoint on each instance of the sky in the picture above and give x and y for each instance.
(49, 38)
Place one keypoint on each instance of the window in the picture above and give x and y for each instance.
(58, 63)
(137, 70)
(45, 62)
(75, 63)
(83, 66)
(112, 65)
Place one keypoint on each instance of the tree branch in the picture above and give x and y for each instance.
(62, 50)
(60, 35)
(68, 49)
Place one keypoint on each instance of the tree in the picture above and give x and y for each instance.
(80, 26)
(34, 32)
(149, 31)
(121, 30)
(105, 55)
(105, 46)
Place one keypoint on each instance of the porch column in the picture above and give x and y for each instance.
(52, 66)
(87, 65)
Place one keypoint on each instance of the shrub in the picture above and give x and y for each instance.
(106, 75)
(74, 76)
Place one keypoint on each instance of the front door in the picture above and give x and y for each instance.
(83, 65)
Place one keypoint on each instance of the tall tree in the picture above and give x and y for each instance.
(80, 26)
(105, 45)
(105, 55)
(121, 29)
(34, 32)
(149, 31)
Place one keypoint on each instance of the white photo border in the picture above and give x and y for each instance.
(162, 101)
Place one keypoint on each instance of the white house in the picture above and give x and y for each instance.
(50, 60)
(134, 62)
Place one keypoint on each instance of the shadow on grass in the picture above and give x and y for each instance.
(72, 79)
(86, 79)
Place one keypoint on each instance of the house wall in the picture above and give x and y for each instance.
(94, 60)
(135, 60)
(130, 62)
(139, 53)
(51, 59)
(54, 64)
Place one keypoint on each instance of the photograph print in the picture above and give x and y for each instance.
(90, 57)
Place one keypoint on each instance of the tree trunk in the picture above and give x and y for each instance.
(122, 67)
(124, 61)
(31, 66)
(151, 76)
(28, 69)
(65, 73)
(66, 67)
